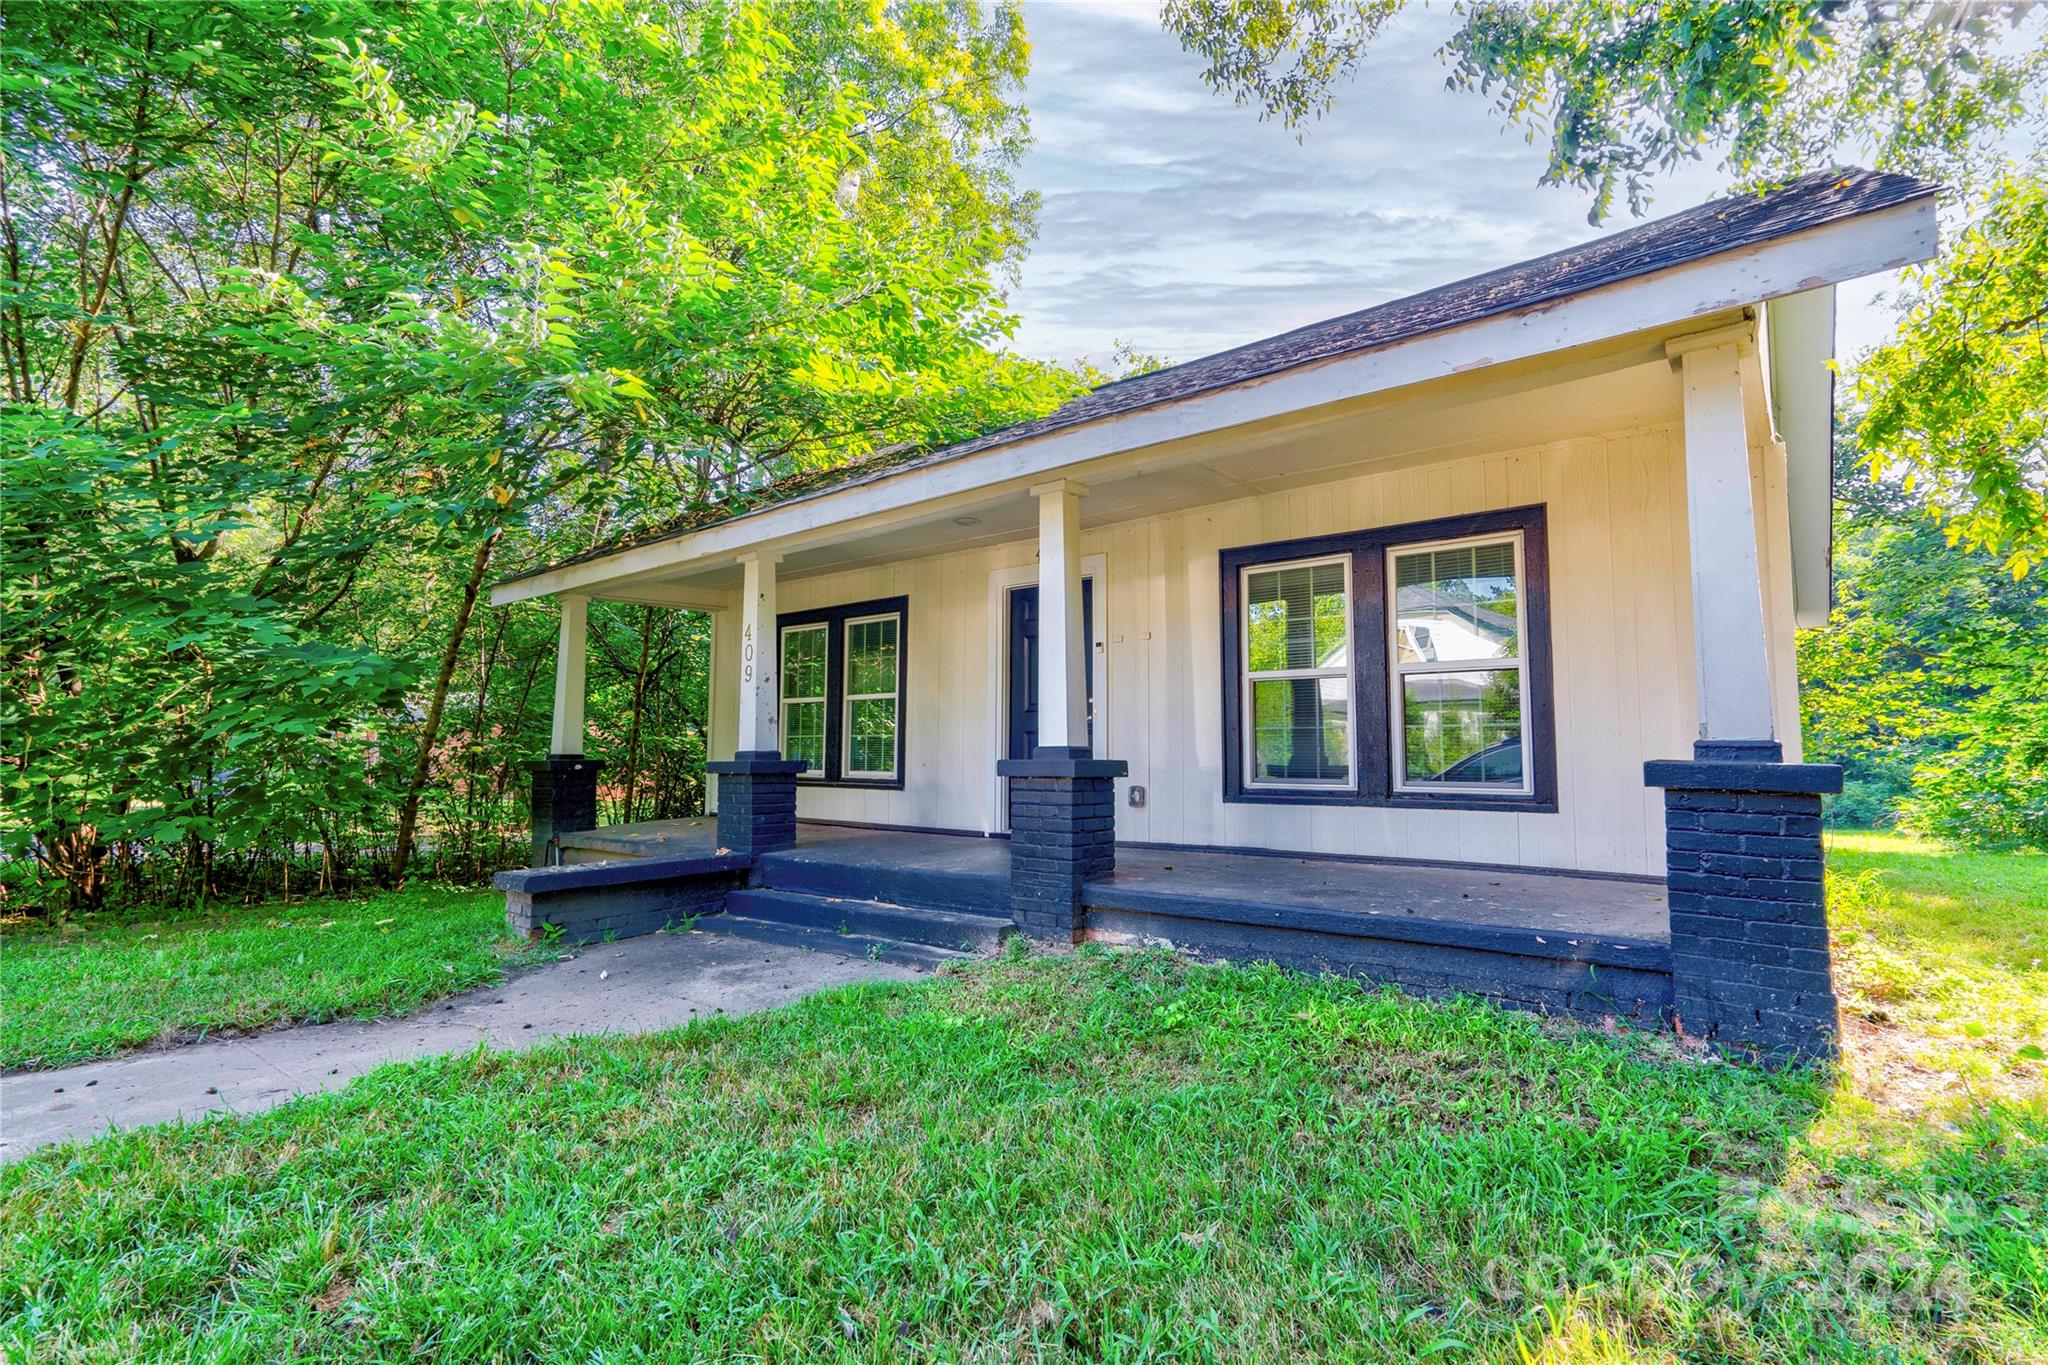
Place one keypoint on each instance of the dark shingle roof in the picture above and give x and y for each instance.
(1711, 229)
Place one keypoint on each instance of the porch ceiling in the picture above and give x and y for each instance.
(1602, 389)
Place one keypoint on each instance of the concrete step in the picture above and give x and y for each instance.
(953, 930)
(831, 941)
(858, 874)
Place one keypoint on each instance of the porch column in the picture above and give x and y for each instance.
(1062, 643)
(757, 786)
(1062, 799)
(1731, 647)
(565, 782)
(1750, 964)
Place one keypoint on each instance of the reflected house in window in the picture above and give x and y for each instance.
(1457, 607)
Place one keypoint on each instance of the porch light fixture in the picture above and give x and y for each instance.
(967, 521)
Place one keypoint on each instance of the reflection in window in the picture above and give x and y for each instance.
(803, 696)
(1456, 606)
(1298, 674)
(871, 686)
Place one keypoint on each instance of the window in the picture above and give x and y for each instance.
(1298, 667)
(1458, 679)
(803, 696)
(871, 677)
(842, 692)
(1404, 665)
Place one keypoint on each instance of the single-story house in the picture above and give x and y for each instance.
(1449, 642)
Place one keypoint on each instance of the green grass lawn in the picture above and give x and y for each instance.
(97, 986)
(1113, 1156)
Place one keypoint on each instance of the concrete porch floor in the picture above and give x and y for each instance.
(1616, 919)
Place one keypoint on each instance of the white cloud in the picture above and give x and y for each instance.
(1183, 224)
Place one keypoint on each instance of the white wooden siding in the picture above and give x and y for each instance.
(1621, 639)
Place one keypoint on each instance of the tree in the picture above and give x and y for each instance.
(1930, 685)
(314, 313)
(1959, 402)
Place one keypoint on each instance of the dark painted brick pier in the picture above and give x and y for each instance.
(1750, 965)
(756, 801)
(1062, 836)
(564, 802)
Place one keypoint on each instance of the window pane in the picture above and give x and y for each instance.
(871, 738)
(871, 656)
(803, 733)
(1295, 617)
(803, 662)
(1456, 604)
(1463, 727)
(1301, 730)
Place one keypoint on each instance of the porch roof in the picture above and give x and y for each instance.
(1732, 232)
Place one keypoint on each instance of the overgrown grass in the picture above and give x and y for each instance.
(92, 987)
(1067, 1158)
(1942, 961)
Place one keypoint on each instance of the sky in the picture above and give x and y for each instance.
(1181, 224)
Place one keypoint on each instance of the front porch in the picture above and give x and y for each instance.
(1489, 597)
(1591, 946)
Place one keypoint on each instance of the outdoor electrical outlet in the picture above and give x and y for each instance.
(1137, 797)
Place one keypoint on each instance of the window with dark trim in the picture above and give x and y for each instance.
(1399, 666)
(843, 691)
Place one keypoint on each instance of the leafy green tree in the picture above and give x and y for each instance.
(313, 314)
(1930, 685)
(1957, 406)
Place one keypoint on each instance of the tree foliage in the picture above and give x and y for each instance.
(315, 314)
(1930, 685)
(1623, 90)
(1957, 406)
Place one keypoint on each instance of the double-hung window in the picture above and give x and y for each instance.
(843, 692)
(872, 679)
(1297, 700)
(1403, 665)
(1460, 689)
(803, 695)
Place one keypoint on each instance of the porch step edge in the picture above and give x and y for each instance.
(933, 927)
(799, 872)
(921, 955)
(1606, 950)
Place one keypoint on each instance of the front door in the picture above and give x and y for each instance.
(1023, 680)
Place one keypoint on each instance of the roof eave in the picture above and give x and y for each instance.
(1899, 234)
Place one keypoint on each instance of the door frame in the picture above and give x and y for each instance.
(996, 820)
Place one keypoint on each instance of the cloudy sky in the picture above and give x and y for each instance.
(1179, 223)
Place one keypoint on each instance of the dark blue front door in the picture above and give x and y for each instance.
(1023, 681)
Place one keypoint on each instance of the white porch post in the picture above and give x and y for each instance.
(565, 782)
(1730, 644)
(1742, 851)
(760, 655)
(567, 735)
(1062, 658)
(757, 786)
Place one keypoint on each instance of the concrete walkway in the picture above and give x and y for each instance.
(633, 986)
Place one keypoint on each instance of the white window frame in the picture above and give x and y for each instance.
(1398, 672)
(781, 662)
(1248, 677)
(848, 697)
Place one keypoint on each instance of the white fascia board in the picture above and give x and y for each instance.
(1846, 250)
(1801, 337)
